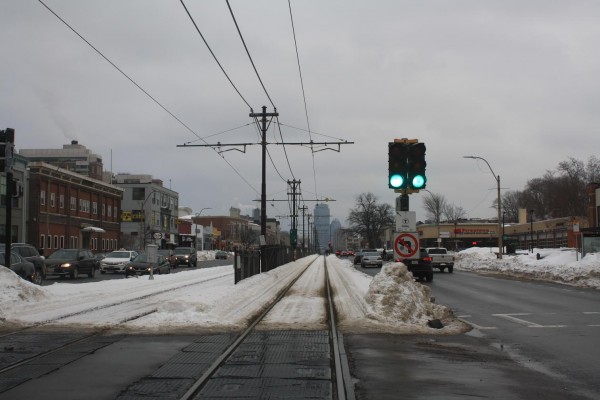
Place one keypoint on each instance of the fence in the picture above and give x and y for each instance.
(246, 263)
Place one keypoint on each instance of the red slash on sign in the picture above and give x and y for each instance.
(406, 245)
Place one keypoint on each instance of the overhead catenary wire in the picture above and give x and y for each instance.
(144, 91)
(248, 53)
(303, 92)
(213, 54)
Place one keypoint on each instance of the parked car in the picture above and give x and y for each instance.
(186, 256)
(142, 266)
(358, 256)
(421, 267)
(71, 262)
(371, 258)
(221, 255)
(29, 253)
(117, 260)
(20, 266)
(169, 255)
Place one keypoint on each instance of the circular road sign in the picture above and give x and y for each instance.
(406, 245)
(157, 235)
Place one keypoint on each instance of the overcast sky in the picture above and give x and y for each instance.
(514, 82)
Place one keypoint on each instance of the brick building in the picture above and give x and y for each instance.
(69, 210)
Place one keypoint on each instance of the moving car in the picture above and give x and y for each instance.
(142, 266)
(169, 255)
(358, 256)
(371, 258)
(28, 253)
(117, 260)
(186, 256)
(421, 267)
(20, 266)
(221, 255)
(71, 262)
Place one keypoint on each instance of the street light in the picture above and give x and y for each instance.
(497, 178)
(196, 229)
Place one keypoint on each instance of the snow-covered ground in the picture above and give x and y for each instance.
(555, 265)
(390, 302)
(208, 299)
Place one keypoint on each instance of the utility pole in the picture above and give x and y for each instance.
(303, 208)
(295, 184)
(263, 190)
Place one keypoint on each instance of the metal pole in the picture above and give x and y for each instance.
(497, 178)
(531, 228)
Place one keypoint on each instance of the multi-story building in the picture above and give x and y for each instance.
(69, 210)
(73, 157)
(321, 224)
(149, 212)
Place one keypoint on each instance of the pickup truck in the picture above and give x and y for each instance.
(441, 259)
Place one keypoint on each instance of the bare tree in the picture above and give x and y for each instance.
(510, 205)
(370, 218)
(454, 213)
(434, 205)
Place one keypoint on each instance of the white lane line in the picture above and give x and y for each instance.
(462, 317)
(529, 324)
(591, 312)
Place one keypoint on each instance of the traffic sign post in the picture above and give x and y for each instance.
(406, 245)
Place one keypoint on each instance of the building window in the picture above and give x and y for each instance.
(109, 211)
(103, 210)
(61, 201)
(42, 197)
(115, 211)
(52, 199)
(95, 208)
(73, 203)
(138, 193)
(42, 241)
(62, 242)
(55, 241)
(49, 241)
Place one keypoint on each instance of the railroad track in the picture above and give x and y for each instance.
(269, 363)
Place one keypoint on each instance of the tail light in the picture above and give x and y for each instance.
(427, 259)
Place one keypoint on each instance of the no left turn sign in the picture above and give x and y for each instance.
(406, 244)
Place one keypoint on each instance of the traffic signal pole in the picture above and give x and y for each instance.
(7, 140)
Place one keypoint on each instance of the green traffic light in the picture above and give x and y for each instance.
(396, 181)
(418, 181)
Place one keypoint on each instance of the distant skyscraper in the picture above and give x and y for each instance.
(322, 220)
(334, 229)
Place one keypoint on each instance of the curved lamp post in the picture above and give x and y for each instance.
(497, 178)
(196, 230)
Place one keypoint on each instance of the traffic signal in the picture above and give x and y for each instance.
(416, 166)
(397, 155)
(7, 140)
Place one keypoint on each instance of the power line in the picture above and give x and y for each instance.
(248, 52)
(303, 92)
(144, 91)
(213, 54)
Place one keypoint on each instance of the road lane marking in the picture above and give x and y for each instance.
(462, 317)
(529, 324)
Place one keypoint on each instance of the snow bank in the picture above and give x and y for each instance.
(553, 265)
(396, 298)
(17, 291)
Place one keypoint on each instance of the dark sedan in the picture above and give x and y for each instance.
(142, 266)
(221, 255)
(25, 269)
(72, 263)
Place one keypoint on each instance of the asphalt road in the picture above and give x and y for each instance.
(549, 328)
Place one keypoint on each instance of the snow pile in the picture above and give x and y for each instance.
(395, 298)
(17, 291)
(552, 265)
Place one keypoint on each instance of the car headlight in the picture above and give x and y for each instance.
(66, 265)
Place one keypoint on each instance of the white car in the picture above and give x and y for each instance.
(116, 261)
(371, 258)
